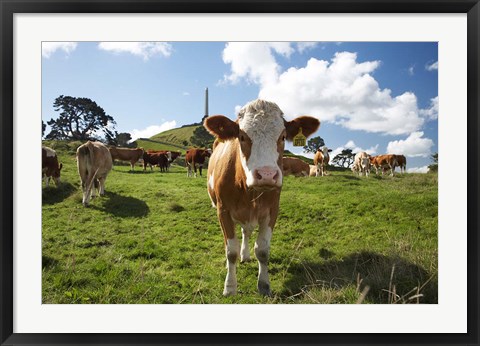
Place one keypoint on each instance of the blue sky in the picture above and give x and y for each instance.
(381, 97)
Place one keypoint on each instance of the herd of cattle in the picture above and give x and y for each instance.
(245, 174)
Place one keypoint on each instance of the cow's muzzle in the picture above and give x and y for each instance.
(266, 178)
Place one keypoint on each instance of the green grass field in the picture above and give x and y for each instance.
(154, 238)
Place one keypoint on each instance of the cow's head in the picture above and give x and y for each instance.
(261, 131)
(56, 174)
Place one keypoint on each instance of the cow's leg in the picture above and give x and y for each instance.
(189, 170)
(200, 169)
(319, 171)
(47, 181)
(231, 251)
(245, 250)
(102, 186)
(262, 252)
(87, 189)
(324, 170)
(195, 170)
(95, 187)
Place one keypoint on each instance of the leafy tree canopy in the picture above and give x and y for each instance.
(201, 137)
(81, 119)
(344, 159)
(434, 166)
(122, 139)
(313, 144)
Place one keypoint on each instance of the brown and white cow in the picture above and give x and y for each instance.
(296, 167)
(384, 162)
(126, 154)
(156, 158)
(361, 164)
(401, 162)
(320, 160)
(50, 166)
(245, 180)
(94, 162)
(196, 158)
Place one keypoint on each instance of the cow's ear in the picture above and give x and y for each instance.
(308, 124)
(221, 127)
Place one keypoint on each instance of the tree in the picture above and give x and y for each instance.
(185, 143)
(80, 119)
(201, 137)
(313, 144)
(122, 139)
(43, 128)
(344, 159)
(434, 166)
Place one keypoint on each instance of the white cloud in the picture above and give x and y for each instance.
(186, 93)
(423, 169)
(432, 112)
(237, 109)
(153, 130)
(254, 61)
(342, 91)
(48, 48)
(413, 146)
(304, 46)
(411, 70)
(432, 66)
(146, 50)
(301, 153)
(355, 149)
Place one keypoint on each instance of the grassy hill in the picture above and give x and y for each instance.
(176, 136)
(154, 238)
(147, 143)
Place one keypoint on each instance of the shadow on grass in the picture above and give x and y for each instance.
(374, 270)
(54, 194)
(137, 171)
(122, 206)
(350, 177)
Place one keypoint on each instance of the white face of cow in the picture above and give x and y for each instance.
(261, 132)
(262, 140)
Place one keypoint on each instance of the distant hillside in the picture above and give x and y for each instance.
(147, 143)
(176, 137)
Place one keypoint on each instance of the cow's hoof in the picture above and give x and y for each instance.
(264, 289)
(229, 291)
(245, 260)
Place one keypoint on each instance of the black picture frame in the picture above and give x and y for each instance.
(9, 7)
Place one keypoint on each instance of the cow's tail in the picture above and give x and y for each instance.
(85, 164)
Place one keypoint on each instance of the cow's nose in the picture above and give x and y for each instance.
(266, 176)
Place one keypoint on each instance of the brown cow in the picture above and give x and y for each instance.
(384, 162)
(296, 167)
(126, 154)
(321, 160)
(245, 179)
(50, 166)
(94, 162)
(159, 159)
(401, 162)
(196, 158)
